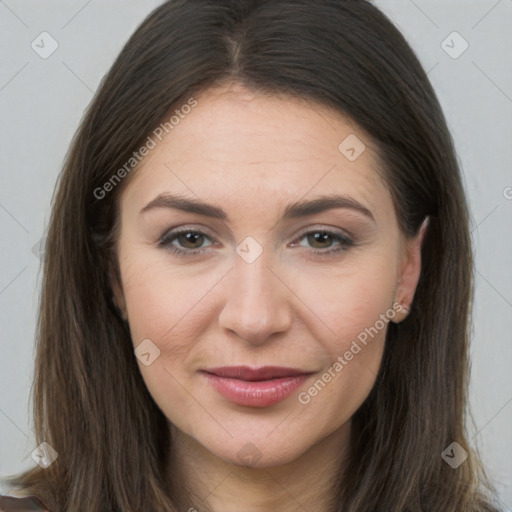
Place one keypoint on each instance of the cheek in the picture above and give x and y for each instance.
(162, 301)
(160, 309)
(355, 354)
(357, 308)
(147, 302)
(348, 300)
(170, 306)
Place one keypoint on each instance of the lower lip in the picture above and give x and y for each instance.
(255, 393)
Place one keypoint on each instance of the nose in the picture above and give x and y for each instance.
(257, 303)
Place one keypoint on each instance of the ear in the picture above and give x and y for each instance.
(409, 273)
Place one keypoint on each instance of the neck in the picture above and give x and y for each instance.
(309, 482)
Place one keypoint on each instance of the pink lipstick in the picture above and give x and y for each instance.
(255, 387)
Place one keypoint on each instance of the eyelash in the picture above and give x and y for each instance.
(170, 236)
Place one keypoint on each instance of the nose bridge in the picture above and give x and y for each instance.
(256, 302)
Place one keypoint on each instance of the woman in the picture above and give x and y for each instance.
(258, 275)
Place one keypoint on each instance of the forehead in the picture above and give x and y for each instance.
(242, 146)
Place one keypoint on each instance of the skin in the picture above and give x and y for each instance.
(253, 155)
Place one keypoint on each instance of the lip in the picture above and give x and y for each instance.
(255, 387)
(255, 374)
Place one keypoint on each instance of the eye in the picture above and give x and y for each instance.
(189, 240)
(323, 241)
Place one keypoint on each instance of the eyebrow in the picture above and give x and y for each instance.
(292, 211)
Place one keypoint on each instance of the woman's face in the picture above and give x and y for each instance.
(271, 273)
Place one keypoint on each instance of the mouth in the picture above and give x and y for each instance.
(247, 373)
(255, 387)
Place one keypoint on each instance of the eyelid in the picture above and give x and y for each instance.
(185, 228)
(205, 230)
(199, 228)
(346, 241)
(173, 233)
(324, 227)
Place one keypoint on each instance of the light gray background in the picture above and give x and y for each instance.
(42, 100)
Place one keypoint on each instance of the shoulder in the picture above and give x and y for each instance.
(20, 503)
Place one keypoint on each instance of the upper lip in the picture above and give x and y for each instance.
(261, 373)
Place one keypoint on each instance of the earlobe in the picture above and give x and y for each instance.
(409, 274)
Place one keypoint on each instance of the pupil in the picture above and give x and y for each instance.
(189, 237)
(321, 237)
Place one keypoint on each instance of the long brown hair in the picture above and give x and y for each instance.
(90, 402)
